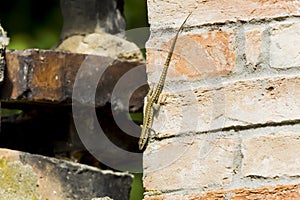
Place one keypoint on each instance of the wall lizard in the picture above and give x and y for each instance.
(153, 95)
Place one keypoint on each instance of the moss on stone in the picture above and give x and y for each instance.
(17, 181)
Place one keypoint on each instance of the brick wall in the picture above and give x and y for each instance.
(230, 125)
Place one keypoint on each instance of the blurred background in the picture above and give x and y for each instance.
(37, 24)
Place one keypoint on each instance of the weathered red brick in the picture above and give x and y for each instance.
(271, 155)
(277, 192)
(284, 44)
(35, 76)
(253, 47)
(188, 163)
(236, 103)
(210, 11)
(196, 56)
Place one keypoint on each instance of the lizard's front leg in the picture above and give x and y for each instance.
(161, 101)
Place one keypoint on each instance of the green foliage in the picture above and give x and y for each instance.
(137, 117)
(9, 112)
(135, 12)
(137, 189)
(31, 23)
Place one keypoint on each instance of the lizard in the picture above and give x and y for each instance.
(154, 95)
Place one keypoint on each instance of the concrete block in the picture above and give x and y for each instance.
(26, 176)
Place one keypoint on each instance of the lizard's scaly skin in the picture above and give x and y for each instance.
(153, 95)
